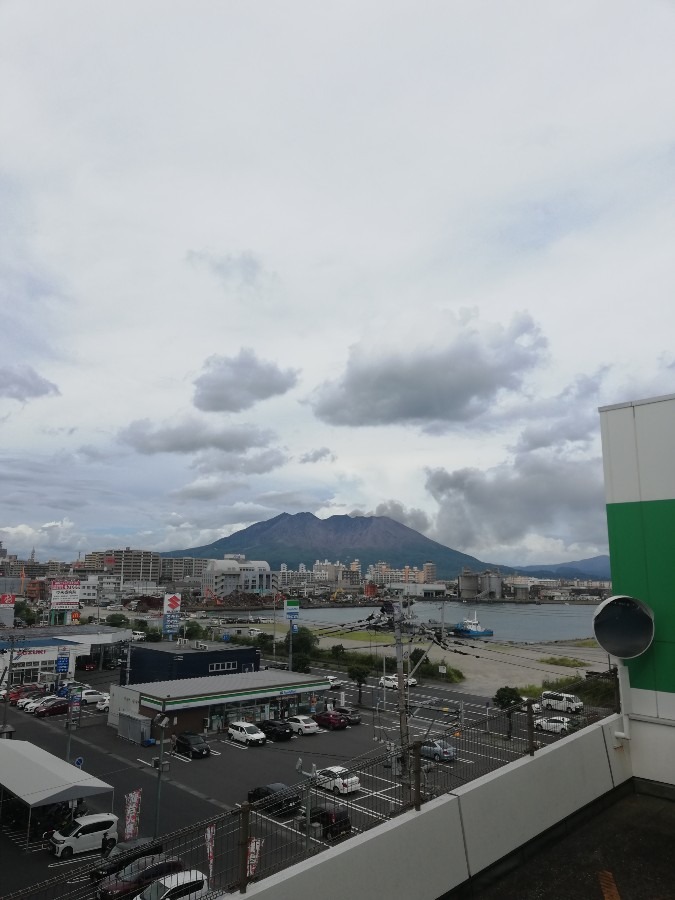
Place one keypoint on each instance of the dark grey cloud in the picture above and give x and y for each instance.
(313, 456)
(21, 382)
(539, 493)
(251, 463)
(206, 489)
(447, 384)
(571, 417)
(413, 518)
(191, 436)
(243, 270)
(234, 383)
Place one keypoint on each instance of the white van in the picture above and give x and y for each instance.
(137, 635)
(85, 834)
(569, 703)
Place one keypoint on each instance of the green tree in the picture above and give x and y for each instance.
(265, 642)
(193, 630)
(154, 635)
(23, 611)
(359, 674)
(304, 642)
(337, 651)
(508, 698)
(301, 662)
(117, 620)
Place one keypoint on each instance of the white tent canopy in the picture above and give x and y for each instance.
(38, 777)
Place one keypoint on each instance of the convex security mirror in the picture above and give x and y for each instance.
(623, 626)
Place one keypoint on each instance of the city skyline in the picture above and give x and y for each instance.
(322, 259)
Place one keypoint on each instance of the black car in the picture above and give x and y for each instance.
(124, 853)
(275, 798)
(132, 879)
(353, 716)
(191, 744)
(276, 730)
(332, 818)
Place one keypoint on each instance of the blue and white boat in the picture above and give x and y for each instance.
(471, 628)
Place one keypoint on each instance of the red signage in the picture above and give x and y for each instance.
(7, 599)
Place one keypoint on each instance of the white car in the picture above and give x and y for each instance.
(22, 701)
(556, 724)
(338, 780)
(192, 885)
(303, 725)
(391, 681)
(89, 695)
(246, 733)
(335, 683)
(104, 704)
(34, 702)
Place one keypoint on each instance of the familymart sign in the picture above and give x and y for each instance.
(292, 608)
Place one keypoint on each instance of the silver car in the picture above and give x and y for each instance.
(438, 750)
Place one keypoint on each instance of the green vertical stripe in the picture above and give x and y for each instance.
(642, 552)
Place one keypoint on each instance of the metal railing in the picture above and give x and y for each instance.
(256, 840)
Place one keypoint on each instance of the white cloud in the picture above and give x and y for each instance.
(463, 256)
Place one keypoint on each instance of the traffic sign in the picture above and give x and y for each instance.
(79, 762)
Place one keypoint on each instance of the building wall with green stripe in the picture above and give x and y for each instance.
(638, 442)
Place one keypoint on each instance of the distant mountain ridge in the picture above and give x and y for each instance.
(304, 538)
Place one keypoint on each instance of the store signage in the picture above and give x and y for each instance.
(65, 595)
(172, 604)
(171, 624)
(292, 607)
(62, 663)
(7, 599)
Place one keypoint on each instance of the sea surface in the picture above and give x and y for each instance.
(509, 621)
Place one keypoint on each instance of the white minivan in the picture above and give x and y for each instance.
(85, 834)
(564, 702)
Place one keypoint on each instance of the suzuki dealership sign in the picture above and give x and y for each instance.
(171, 621)
(65, 595)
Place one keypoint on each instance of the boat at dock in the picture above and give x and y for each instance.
(471, 628)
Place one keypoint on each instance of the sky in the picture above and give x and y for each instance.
(365, 258)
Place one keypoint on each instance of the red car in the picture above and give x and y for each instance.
(16, 693)
(52, 707)
(330, 720)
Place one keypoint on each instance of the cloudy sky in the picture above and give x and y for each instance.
(354, 258)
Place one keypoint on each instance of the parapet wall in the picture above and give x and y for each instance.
(427, 853)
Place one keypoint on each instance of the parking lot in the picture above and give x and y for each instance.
(192, 790)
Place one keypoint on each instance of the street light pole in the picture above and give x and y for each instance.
(161, 721)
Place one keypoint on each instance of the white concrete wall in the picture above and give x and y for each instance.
(122, 699)
(652, 750)
(424, 854)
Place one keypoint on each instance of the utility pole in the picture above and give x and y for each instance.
(402, 711)
(12, 639)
